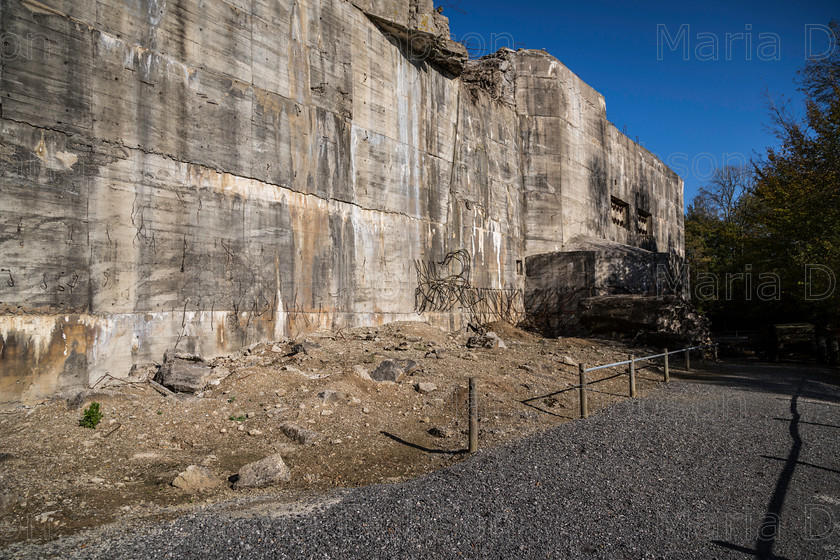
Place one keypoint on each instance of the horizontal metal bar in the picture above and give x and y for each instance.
(608, 365)
(654, 356)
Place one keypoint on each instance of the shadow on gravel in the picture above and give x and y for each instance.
(780, 379)
(421, 448)
(770, 525)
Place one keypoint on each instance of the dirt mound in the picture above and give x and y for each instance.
(506, 332)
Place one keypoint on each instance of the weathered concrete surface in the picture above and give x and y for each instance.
(213, 173)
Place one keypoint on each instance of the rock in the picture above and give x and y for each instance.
(389, 370)
(277, 350)
(142, 372)
(195, 479)
(264, 472)
(330, 397)
(97, 480)
(365, 410)
(529, 369)
(362, 372)
(300, 435)
(298, 349)
(183, 373)
(426, 388)
(6, 457)
(442, 432)
(568, 361)
(437, 353)
(496, 341)
(410, 366)
(490, 340)
(326, 412)
(255, 432)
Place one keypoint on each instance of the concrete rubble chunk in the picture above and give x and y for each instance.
(426, 388)
(490, 340)
(196, 479)
(184, 373)
(362, 372)
(388, 370)
(300, 435)
(264, 472)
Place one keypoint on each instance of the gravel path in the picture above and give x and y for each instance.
(739, 463)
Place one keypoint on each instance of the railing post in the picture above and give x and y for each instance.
(584, 406)
(703, 354)
(687, 359)
(473, 406)
(632, 376)
(715, 349)
(667, 373)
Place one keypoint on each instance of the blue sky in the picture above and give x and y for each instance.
(694, 112)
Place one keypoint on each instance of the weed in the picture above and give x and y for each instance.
(160, 412)
(231, 399)
(91, 416)
(240, 418)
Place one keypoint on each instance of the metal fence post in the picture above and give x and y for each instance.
(473, 406)
(632, 376)
(687, 360)
(584, 406)
(667, 373)
(716, 354)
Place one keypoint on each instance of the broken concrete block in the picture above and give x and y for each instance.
(264, 472)
(184, 373)
(196, 479)
(426, 388)
(389, 370)
(300, 435)
(489, 340)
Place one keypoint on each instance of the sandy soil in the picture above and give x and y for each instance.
(57, 477)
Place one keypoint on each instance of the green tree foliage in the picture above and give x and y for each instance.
(777, 216)
(799, 185)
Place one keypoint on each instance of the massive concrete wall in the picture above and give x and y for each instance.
(211, 173)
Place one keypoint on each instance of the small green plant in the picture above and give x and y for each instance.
(231, 399)
(160, 412)
(240, 418)
(91, 416)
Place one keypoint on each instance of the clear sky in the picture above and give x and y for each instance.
(694, 110)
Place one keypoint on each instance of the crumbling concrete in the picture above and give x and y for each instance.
(209, 174)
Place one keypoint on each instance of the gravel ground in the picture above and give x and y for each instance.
(736, 462)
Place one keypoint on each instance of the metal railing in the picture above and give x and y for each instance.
(583, 370)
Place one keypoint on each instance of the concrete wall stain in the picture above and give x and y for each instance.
(190, 173)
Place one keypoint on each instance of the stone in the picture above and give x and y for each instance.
(362, 372)
(426, 388)
(264, 472)
(277, 350)
(490, 340)
(183, 373)
(255, 432)
(442, 432)
(6, 456)
(331, 397)
(326, 412)
(196, 479)
(388, 370)
(300, 435)
(142, 372)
